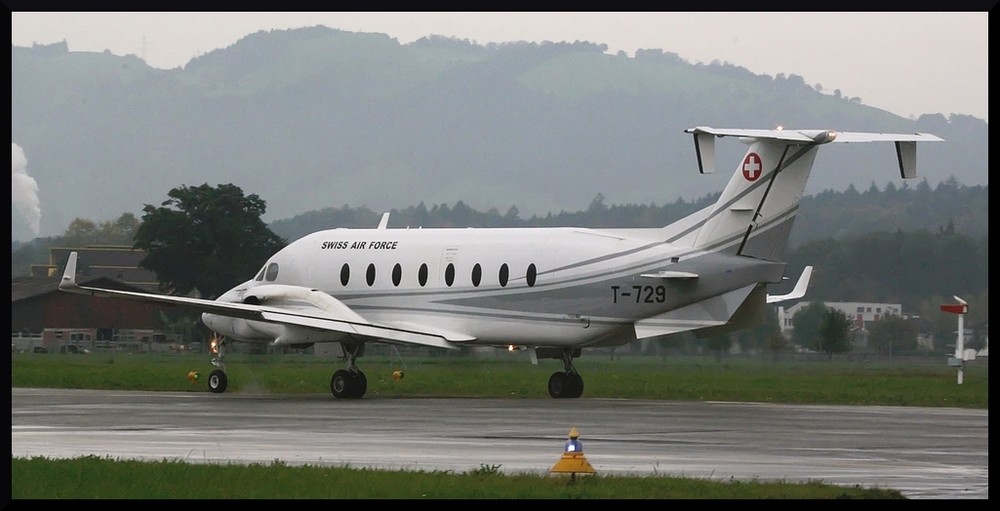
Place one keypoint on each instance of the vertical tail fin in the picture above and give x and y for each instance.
(754, 214)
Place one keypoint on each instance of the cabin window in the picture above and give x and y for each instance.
(422, 275)
(477, 274)
(370, 276)
(345, 274)
(449, 274)
(272, 272)
(504, 275)
(397, 274)
(532, 273)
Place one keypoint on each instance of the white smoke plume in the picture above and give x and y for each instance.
(24, 189)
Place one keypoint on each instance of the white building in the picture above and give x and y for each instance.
(860, 313)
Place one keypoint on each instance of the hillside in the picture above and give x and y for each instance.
(317, 118)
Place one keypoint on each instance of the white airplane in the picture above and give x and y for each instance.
(552, 291)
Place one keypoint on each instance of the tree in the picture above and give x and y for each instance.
(122, 230)
(765, 337)
(977, 340)
(806, 323)
(835, 333)
(80, 231)
(83, 231)
(890, 333)
(205, 239)
(719, 344)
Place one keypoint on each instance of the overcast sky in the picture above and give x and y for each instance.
(906, 63)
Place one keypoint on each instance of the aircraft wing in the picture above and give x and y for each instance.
(342, 319)
(670, 274)
(798, 291)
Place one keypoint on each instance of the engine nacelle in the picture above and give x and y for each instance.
(303, 298)
(248, 330)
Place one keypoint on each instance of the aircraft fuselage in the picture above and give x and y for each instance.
(548, 286)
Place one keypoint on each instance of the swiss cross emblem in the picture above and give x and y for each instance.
(752, 167)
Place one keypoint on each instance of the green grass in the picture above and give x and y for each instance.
(681, 378)
(925, 383)
(101, 478)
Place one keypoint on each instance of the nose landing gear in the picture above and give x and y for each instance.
(217, 380)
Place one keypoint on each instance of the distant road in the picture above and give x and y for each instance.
(939, 453)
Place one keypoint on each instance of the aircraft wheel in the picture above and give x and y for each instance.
(558, 385)
(218, 381)
(565, 385)
(340, 384)
(359, 385)
(576, 384)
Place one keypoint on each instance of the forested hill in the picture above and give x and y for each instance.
(316, 117)
(835, 215)
(914, 246)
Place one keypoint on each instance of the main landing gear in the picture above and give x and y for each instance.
(567, 383)
(350, 383)
(217, 380)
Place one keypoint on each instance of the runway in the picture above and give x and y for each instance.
(925, 453)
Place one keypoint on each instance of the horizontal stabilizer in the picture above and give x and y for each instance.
(714, 311)
(906, 147)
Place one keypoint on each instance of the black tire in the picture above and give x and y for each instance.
(359, 385)
(558, 385)
(576, 385)
(340, 384)
(565, 385)
(348, 384)
(218, 381)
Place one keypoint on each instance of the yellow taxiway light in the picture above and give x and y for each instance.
(193, 377)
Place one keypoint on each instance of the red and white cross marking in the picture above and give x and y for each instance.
(752, 167)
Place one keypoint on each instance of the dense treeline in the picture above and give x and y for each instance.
(949, 207)
(894, 267)
(912, 246)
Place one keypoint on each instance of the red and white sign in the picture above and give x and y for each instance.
(752, 168)
(957, 308)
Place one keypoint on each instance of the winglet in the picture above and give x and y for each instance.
(69, 274)
(384, 222)
(798, 292)
(704, 148)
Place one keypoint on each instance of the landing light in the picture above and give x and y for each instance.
(511, 348)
